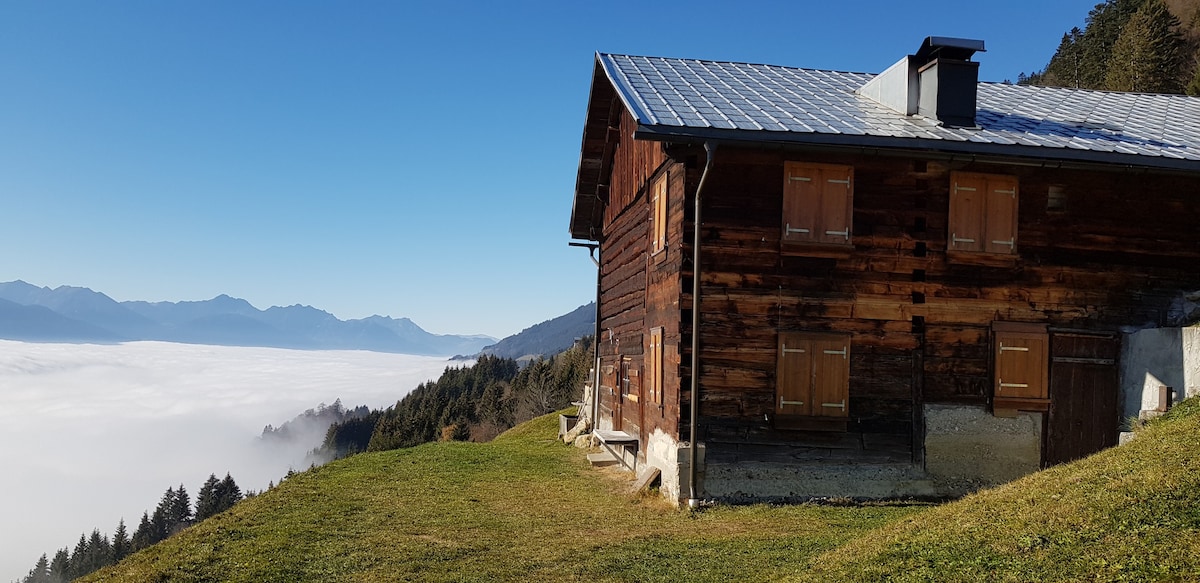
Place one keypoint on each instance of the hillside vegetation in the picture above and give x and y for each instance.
(526, 508)
(1125, 514)
(1129, 45)
(522, 507)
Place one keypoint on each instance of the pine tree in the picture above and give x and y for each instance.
(60, 567)
(40, 572)
(1104, 25)
(1066, 67)
(228, 493)
(99, 551)
(206, 499)
(143, 536)
(78, 565)
(120, 542)
(1147, 55)
(159, 528)
(180, 513)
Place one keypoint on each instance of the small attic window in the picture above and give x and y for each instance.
(1056, 198)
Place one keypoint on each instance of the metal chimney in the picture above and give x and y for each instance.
(948, 79)
(938, 82)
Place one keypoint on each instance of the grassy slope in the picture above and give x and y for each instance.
(521, 508)
(1126, 514)
(525, 508)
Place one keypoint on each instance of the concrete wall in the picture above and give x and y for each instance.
(1158, 357)
(665, 453)
(760, 481)
(966, 447)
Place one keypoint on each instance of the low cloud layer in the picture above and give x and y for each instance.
(93, 433)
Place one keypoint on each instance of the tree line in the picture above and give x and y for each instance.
(173, 514)
(1129, 45)
(472, 403)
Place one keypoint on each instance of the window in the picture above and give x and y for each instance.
(627, 372)
(813, 375)
(1020, 355)
(654, 377)
(658, 226)
(817, 203)
(983, 213)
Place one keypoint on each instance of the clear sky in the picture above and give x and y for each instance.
(371, 157)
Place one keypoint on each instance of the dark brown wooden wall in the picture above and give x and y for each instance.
(1114, 256)
(640, 291)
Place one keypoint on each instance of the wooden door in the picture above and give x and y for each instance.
(1084, 394)
(630, 397)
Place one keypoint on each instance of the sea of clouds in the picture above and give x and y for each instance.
(93, 433)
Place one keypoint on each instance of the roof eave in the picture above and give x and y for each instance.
(1048, 157)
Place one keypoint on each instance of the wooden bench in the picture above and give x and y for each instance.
(622, 446)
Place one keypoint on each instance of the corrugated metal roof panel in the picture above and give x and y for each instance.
(681, 97)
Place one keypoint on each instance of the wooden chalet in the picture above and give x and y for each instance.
(910, 284)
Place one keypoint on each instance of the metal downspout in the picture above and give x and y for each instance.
(710, 147)
(596, 346)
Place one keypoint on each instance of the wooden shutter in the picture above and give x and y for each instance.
(813, 375)
(836, 204)
(658, 231)
(1001, 215)
(801, 202)
(831, 376)
(1022, 365)
(968, 197)
(818, 203)
(793, 377)
(655, 379)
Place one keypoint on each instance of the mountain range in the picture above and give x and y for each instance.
(79, 314)
(549, 337)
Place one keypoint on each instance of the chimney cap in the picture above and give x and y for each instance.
(948, 47)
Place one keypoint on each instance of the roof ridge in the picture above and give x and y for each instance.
(717, 61)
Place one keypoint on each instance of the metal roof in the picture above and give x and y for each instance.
(766, 102)
(681, 100)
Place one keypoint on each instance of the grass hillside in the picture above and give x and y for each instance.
(526, 508)
(1126, 514)
(523, 507)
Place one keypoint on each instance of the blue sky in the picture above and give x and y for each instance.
(368, 157)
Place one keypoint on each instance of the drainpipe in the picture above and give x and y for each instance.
(596, 345)
(710, 147)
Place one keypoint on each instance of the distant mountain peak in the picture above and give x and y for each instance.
(79, 314)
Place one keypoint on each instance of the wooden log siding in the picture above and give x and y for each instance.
(1096, 264)
(638, 292)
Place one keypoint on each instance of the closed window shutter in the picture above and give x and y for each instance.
(656, 365)
(818, 203)
(801, 202)
(968, 194)
(1001, 227)
(836, 205)
(659, 228)
(1022, 361)
(831, 377)
(794, 376)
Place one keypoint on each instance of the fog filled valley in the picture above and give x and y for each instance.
(92, 433)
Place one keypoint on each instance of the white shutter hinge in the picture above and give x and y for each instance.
(844, 233)
(841, 405)
(843, 352)
(1004, 348)
(783, 402)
